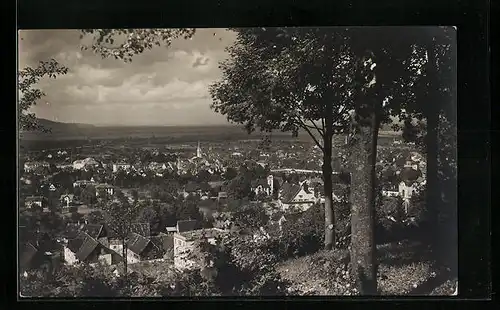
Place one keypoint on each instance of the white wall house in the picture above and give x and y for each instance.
(121, 166)
(182, 250)
(405, 190)
(33, 201)
(132, 257)
(302, 200)
(81, 164)
(390, 193)
(107, 188)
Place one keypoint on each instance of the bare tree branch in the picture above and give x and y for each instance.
(301, 124)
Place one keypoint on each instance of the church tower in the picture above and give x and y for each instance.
(270, 182)
(198, 150)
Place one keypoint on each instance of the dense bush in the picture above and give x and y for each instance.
(392, 224)
(306, 234)
(236, 265)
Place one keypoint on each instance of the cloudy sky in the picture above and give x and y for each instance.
(163, 86)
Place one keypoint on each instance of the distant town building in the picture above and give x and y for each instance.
(182, 226)
(263, 186)
(121, 166)
(87, 249)
(410, 178)
(34, 201)
(108, 189)
(67, 199)
(33, 165)
(83, 183)
(84, 163)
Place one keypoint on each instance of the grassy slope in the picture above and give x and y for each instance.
(401, 272)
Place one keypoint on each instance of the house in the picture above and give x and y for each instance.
(86, 249)
(96, 231)
(67, 199)
(35, 165)
(193, 188)
(296, 196)
(183, 226)
(104, 187)
(121, 166)
(262, 186)
(141, 248)
(166, 243)
(83, 183)
(410, 179)
(184, 243)
(34, 201)
(222, 197)
(85, 163)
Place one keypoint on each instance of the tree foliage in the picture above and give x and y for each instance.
(120, 217)
(29, 94)
(290, 79)
(124, 44)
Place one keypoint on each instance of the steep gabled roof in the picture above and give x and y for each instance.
(89, 244)
(75, 244)
(70, 196)
(256, 183)
(186, 225)
(137, 243)
(93, 230)
(71, 232)
(289, 192)
(167, 241)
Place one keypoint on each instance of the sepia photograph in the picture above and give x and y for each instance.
(265, 161)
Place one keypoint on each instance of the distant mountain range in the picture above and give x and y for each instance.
(78, 131)
(62, 126)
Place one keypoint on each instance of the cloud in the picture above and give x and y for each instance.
(200, 61)
(160, 86)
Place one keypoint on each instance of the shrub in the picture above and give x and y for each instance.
(237, 265)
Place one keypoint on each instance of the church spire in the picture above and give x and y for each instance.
(198, 150)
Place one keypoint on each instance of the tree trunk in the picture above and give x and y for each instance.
(124, 253)
(363, 247)
(328, 187)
